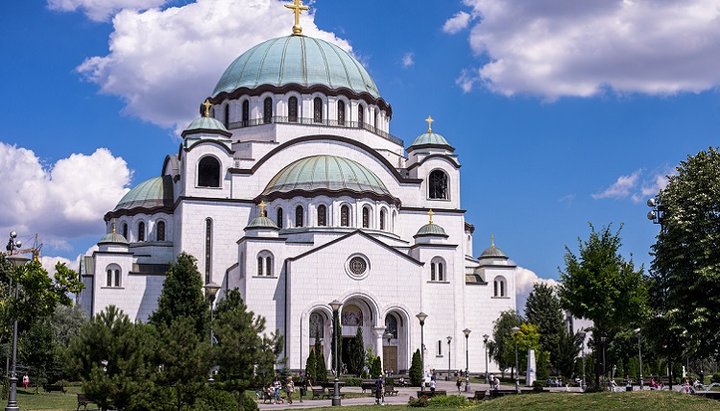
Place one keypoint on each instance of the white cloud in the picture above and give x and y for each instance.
(102, 10)
(457, 22)
(63, 201)
(557, 48)
(621, 188)
(48, 263)
(524, 281)
(408, 59)
(467, 80)
(163, 63)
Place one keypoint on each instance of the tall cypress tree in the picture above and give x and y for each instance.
(357, 353)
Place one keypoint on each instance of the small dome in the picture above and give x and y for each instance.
(301, 60)
(326, 173)
(206, 125)
(493, 252)
(431, 229)
(262, 223)
(113, 238)
(153, 193)
(430, 139)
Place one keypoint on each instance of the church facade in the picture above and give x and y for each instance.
(290, 188)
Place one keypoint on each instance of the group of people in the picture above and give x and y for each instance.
(273, 390)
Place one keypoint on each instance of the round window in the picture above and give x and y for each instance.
(357, 266)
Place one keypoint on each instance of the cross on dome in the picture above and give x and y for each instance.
(492, 240)
(206, 105)
(297, 7)
(262, 207)
(429, 120)
(430, 214)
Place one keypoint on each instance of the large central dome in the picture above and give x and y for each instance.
(301, 60)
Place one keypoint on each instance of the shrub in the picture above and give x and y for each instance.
(716, 377)
(418, 402)
(353, 382)
(211, 399)
(416, 369)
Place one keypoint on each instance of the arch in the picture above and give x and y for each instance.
(383, 214)
(317, 110)
(391, 325)
(279, 217)
(227, 115)
(299, 216)
(141, 231)
(316, 324)
(438, 269)
(352, 315)
(114, 276)
(125, 230)
(361, 116)
(267, 110)
(366, 217)
(265, 264)
(322, 215)
(500, 286)
(208, 172)
(344, 215)
(208, 248)
(341, 113)
(293, 109)
(160, 231)
(438, 185)
(245, 113)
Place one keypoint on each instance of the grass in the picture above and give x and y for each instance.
(625, 401)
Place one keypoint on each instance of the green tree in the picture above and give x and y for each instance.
(544, 310)
(502, 348)
(527, 338)
(357, 353)
(600, 285)
(182, 295)
(567, 351)
(310, 366)
(246, 355)
(336, 339)
(416, 372)
(686, 266)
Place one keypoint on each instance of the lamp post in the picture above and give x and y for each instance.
(211, 290)
(637, 331)
(582, 335)
(485, 341)
(449, 340)
(422, 316)
(467, 359)
(335, 305)
(515, 331)
(603, 339)
(17, 261)
(656, 215)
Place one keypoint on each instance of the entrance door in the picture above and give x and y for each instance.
(390, 358)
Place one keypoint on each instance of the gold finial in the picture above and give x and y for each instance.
(297, 7)
(207, 105)
(262, 206)
(492, 240)
(429, 120)
(430, 214)
(113, 227)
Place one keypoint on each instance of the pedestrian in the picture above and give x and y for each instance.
(378, 389)
(702, 376)
(289, 389)
(276, 390)
(432, 385)
(459, 384)
(26, 381)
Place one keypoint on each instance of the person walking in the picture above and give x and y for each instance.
(26, 381)
(289, 389)
(379, 390)
(432, 385)
(276, 389)
(458, 383)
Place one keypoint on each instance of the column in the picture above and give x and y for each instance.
(379, 332)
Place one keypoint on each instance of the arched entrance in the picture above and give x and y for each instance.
(395, 342)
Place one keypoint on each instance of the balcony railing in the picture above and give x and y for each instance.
(315, 122)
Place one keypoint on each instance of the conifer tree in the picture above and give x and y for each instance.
(357, 353)
(416, 369)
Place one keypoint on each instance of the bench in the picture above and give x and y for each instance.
(428, 393)
(54, 387)
(317, 393)
(83, 400)
(368, 385)
(390, 390)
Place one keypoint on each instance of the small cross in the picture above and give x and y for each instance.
(430, 214)
(207, 104)
(262, 206)
(297, 7)
(429, 120)
(113, 226)
(492, 240)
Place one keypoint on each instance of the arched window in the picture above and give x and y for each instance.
(227, 116)
(246, 113)
(499, 287)
(160, 231)
(299, 216)
(209, 172)
(293, 109)
(317, 110)
(376, 119)
(437, 269)
(317, 325)
(113, 276)
(109, 278)
(341, 112)
(265, 264)
(280, 218)
(141, 231)
(361, 116)
(345, 216)
(208, 249)
(322, 215)
(125, 230)
(438, 185)
(433, 272)
(366, 217)
(382, 219)
(391, 325)
(267, 110)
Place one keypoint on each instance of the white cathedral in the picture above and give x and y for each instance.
(291, 188)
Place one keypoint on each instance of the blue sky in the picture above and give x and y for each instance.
(562, 113)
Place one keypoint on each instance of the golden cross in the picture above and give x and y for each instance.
(113, 226)
(207, 104)
(430, 214)
(262, 206)
(297, 7)
(429, 120)
(492, 240)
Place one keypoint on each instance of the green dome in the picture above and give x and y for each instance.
(431, 229)
(262, 223)
(113, 238)
(430, 138)
(206, 124)
(326, 172)
(153, 193)
(493, 252)
(299, 60)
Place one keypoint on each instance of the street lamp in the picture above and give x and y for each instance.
(515, 331)
(211, 290)
(603, 339)
(449, 340)
(582, 335)
(422, 316)
(467, 359)
(17, 261)
(485, 341)
(637, 331)
(335, 305)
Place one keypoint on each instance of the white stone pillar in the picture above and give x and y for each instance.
(379, 332)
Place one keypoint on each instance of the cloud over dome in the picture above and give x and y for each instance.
(163, 63)
(554, 48)
(102, 10)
